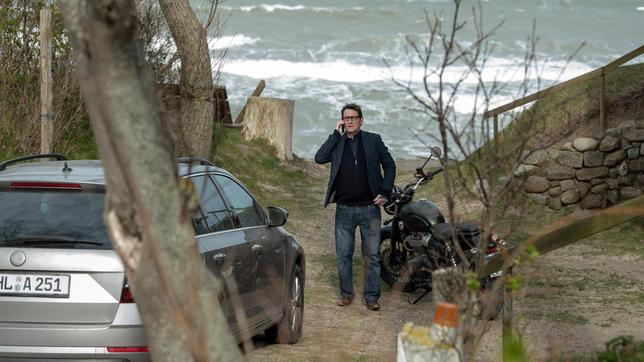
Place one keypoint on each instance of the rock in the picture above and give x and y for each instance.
(558, 172)
(615, 132)
(524, 170)
(568, 147)
(622, 169)
(627, 180)
(633, 153)
(630, 192)
(614, 158)
(538, 198)
(585, 144)
(631, 123)
(537, 157)
(593, 158)
(633, 134)
(636, 165)
(612, 173)
(612, 197)
(554, 154)
(597, 135)
(582, 188)
(626, 144)
(599, 189)
(555, 191)
(640, 179)
(586, 174)
(612, 183)
(555, 183)
(596, 181)
(642, 149)
(609, 143)
(569, 197)
(592, 201)
(554, 203)
(572, 159)
(537, 184)
(567, 185)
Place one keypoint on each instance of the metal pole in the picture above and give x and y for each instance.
(46, 84)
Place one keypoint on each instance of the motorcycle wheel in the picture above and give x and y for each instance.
(394, 274)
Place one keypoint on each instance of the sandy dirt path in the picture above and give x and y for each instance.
(565, 310)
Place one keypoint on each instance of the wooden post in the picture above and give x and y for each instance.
(46, 86)
(256, 93)
(270, 118)
(222, 108)
(496, 134)
(602, 102)
(507, 315)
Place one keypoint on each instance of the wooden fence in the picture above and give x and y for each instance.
(557, 237)
(597, 73)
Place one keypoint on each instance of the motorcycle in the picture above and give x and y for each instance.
(417, 241)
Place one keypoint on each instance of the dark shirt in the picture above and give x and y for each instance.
(352, 183)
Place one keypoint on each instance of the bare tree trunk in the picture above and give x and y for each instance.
(196, 78)
(148, 208)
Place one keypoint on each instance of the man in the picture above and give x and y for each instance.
(359, 188)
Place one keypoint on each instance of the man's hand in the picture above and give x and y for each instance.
(379, 200)
(340, 126)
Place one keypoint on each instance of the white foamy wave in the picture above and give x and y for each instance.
(343, 71)
(279, 7)
(640, 8)
(231, 41)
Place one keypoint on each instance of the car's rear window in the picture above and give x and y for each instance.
(52, 219)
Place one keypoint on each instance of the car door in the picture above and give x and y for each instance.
(268, 246)
(226, 252)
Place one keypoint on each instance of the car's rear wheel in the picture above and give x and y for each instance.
(289, 329)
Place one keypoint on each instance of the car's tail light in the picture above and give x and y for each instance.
(127, 349)
(44, 185)
(126, 294)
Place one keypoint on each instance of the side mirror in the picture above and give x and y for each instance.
(437, 152)
(276, 216)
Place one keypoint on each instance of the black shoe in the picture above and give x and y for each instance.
(373, 305)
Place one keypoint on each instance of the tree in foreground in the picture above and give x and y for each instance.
(148, 206)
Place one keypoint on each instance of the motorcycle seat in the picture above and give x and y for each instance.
(468, 233)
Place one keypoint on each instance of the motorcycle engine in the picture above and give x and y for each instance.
(420, 266)
(417, 242)
(420, 270)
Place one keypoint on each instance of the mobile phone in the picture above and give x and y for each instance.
(342, 129)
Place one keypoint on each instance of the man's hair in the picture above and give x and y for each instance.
(352, 106)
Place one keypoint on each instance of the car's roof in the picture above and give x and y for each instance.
(82, 171)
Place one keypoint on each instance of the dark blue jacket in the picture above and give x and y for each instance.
(376, 153)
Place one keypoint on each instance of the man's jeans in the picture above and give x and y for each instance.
(346, 220)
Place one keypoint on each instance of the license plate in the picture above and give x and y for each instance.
(34, 285)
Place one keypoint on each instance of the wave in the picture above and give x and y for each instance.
(279, 7)
(501, 70)
(640, 8)
(231, 41)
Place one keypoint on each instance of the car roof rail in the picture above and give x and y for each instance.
(201, 161)
(57, 156)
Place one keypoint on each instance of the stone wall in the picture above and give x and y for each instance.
(593, 172)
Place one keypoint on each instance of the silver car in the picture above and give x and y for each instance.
(63, 289)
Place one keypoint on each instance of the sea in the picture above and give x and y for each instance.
(325, 53)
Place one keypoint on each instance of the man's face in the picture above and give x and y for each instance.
(352, 122)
